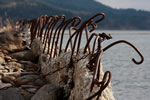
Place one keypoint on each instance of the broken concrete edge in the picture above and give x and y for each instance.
(67, 76)
(75, 79)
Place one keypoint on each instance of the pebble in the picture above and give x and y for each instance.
(10, 94)
(24, 55)
(26, 79)
(32, 90)
(27, 95)
(4, 71)
(5, 85)
(1, 55)
(48, 92)
(2, 67)
(2, 60)
(40, 82)
(8, 79)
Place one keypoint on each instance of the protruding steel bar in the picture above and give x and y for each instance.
(73, 24)
(87, 38)
(43, 25)
(61, 23)
(56, 19)
(103, 84)
(51, 30)
(88, 42)
(96, 67)
(126, 42)
(48, 22)
(47, 32)
(97, 38)
(79, 32)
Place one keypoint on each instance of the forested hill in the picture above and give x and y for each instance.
(115, 18)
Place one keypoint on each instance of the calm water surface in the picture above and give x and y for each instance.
(129, 81)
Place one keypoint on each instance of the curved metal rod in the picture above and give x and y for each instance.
(34, 28)
(70, 34)
(126, 42)
(80, 32)
(47, 30)
(89, 40)
(40, 24)
(77, 32)
(96, 65)
(87, 37)
(61, 23)
(79, 36)
(104, 83)
(75, 41)
(43, 24)
(99, 14)
(89, 22)
(73, 23)
(56, 19)
(79, 40)
(63, 31)
(94, 26)
(70, 40)
(94, 44)
(48, 22)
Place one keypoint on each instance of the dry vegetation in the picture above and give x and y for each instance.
(6, 25)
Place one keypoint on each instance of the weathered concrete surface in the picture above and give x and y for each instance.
(57, 69)
(66, 81)
(36, 47)
(82, 80)
(48, 92)
(77, 73)
(24, 55)
(10, 94)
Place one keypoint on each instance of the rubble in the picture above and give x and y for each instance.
(48, 92)
(10, 94)
(44, 79)
(31, 68)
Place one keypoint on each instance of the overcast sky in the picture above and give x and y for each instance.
(137, 4)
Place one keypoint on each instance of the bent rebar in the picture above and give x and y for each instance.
(51, 31)
(104, 83)
(126, 42)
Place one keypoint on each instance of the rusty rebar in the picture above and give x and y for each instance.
(51, 30)
(126, 42)
(79, 32)
(103, 84)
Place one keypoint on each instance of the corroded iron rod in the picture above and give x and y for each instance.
(51, 31)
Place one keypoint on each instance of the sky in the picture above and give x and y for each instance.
(137, 4)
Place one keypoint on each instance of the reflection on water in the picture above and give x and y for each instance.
(129, 81)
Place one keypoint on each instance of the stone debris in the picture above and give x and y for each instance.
(28, 74)
(48, 92)
(10, 94)
(36, 47)
(26, 55)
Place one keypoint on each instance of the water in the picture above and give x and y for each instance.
(129, 81)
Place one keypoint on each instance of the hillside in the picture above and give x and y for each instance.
(115, 18)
